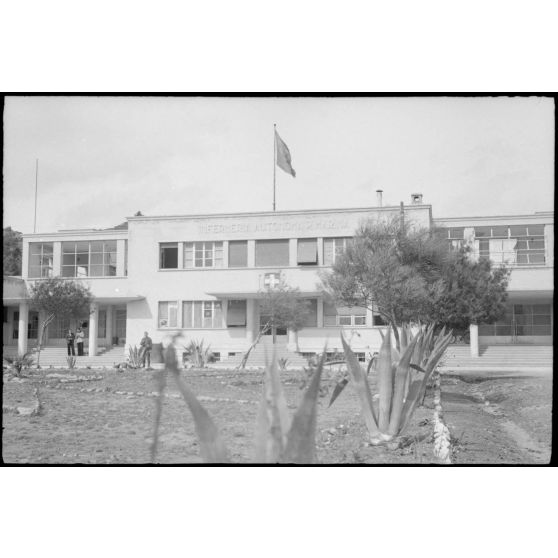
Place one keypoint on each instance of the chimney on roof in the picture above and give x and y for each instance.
(379, 198)
(416, 199)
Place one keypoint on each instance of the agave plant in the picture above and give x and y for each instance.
(279, 438)
(134, 357)
(401, 380)
(19, 363)
(198, 355)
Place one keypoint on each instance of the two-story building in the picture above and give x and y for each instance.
(203, 276)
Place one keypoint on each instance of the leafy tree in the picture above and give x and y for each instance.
(412, 276)
(390, 269)
(59, 298)
(284, 307)
(12, 252)
(473, 292)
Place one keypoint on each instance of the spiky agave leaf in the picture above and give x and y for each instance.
(433, 359)
(362, 388)
(339, 387)
(410, 404)
(403, 338)
(301, 439)
(212, 448)
(385, 382)
(273, 420)
(401, 378)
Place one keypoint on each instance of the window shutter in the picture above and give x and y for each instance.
(272, 252)
(307, 251)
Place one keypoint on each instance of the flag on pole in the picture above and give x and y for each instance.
(283, 155)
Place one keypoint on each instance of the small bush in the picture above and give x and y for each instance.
(71, 360)
(283, 363)
(19, 363)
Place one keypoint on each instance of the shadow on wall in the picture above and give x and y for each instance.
(139, 310)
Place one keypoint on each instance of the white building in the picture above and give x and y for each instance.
(203, 275)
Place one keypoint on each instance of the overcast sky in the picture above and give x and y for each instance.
(101, 159)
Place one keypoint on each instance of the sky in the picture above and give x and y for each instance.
(102, 159)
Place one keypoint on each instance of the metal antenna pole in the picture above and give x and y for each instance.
(36, 182)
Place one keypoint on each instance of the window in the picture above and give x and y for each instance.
(40, 259)
(202, 314)
(238, 253)
(377, 320)
(168, 313)
(344, 315)
(514, 245)
(236, 313)
(455, 236)
(203, 254)
(33, 325)
(333, 248)
(272, 252)
(59, 328)
(125, 257)
(89, 259)
(312, 317)
(102, 259)
(520, 320)
(529, 246)
(102, 324)
(307, 251)
(168, 256)
(15, 330)
(456, 233)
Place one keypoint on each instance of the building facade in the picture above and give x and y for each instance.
(203, 276)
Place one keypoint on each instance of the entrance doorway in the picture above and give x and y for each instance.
(120, 330)
(277, 334)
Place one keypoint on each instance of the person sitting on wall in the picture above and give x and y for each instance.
(70, 342)
(79, 340)
(146, 345)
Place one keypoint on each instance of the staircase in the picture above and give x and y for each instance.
(56, 357)
(499, 357)
(257, 358)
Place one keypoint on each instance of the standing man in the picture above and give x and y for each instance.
(70, 342)
(146, 345)
(79, 340)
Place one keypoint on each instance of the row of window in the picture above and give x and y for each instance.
(79, 259)
(498, 231)
(211, 314)
(273, 252)
(520, 320)
(510, 244)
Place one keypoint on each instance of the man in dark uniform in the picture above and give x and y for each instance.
(70, 342)
(146, 345)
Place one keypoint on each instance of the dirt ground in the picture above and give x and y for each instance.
(498, 421)
(107, 417)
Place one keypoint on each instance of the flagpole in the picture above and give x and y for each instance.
(36, 182)
(274, 161)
